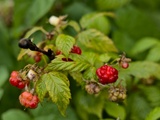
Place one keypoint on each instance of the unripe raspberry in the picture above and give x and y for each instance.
(125, 65)
(124, 62)
(92, 87)
(28, 100)
(117, 94)
(107, 74)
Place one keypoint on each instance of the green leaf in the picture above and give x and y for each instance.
(49, 111)
(110, 4)
(88, 104)
(71, 66)
(96, 40)
(90, 57)
(1, 93)
(37, 10)
(119, 111)
(97, 21)
(64, 43)
(152, 94)
(57, 86)
(15, 114)
(4, 75)
(41, 88)
(75, 25)
(153, 54)
(77, 76)
(144, 44)
(104, 57)
(154, 114)
(137, 104)
(33, 30)
(90, 74)
(142, 69)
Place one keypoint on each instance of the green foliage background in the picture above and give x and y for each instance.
(134, 27)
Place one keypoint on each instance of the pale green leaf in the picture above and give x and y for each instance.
(57, 86)
(37, 10)
(41, 89)
(142, 69)
(153, 54)
(119, 111)
(96, 40)
(90, 57)
(97, 21)
(22, 53)
(75, 25)
(144, 44)
(154, 114)
(33, 30)
(64, 43)
(15, 114)
(110, 4)
(90, 74)
(71, 66)
(104, 57)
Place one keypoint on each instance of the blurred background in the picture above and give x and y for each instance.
(134, 28)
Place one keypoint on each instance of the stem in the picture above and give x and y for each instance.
(28, 44)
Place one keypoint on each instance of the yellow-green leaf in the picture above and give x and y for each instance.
(64, 43)
(96, 40)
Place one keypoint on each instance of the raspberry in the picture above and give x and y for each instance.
(107, 74)
(37, 57)
(28, 100)
(92, 87)
(123, 61)
(117, 94)
(125, 65)
(76, 50)
(58, 52)
(17, 81)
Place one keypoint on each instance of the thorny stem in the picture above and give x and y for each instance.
(28, 44)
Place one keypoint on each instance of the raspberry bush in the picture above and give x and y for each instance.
(79, 60)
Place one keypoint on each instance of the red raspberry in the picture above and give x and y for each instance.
(76, 50)
(17, 81)
(37, 57)
(28, 100)
(107, 74)
(58, 52)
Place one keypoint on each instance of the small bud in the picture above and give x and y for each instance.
(31, 74)
(53, 20)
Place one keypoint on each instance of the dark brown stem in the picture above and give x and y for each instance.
(28, 44)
